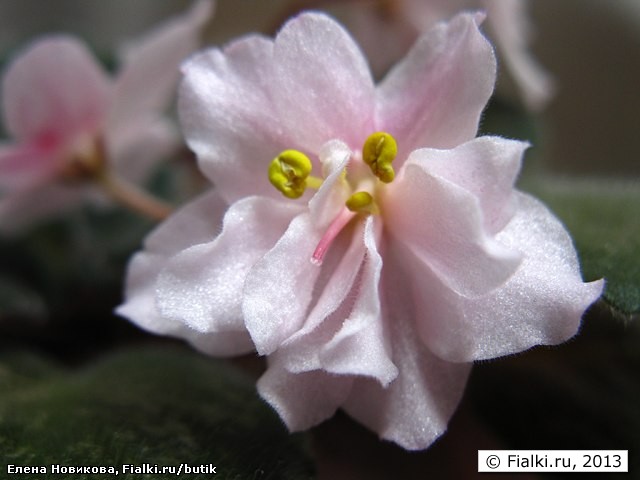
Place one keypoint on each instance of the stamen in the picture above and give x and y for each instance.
(361, 202)
(289, 173)
(378, 152)
(332, 232)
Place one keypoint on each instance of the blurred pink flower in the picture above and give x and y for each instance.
(386, 29)
(70, 121)
(375, 293)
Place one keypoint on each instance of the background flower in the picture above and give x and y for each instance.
(70, 120)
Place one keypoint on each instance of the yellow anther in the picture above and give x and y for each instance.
(289, 171)
(361, 202)
(378, 152)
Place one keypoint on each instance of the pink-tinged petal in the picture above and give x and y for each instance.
(202, 286)
(302, 399)
(361, 346)
(199, 221)
(301, 351)
(140, 307)
(414, 409)
(435, 95)
(228, 118)
(279, 287)
(508, 24)
(324, 205)
(54, 89)
(135, 152)
(26, 164)
(487, 168)
(542, 303)
(443, 225)
(147, 81)
(322, 85)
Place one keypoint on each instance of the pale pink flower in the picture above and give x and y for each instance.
(388, 30)
(68, 117)
(378, 309)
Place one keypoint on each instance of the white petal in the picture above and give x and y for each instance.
(415, 408)
(542, 303)
(228, 117)
(197, 222)
(302, 399)
(335, 287)
(486, 167)
(361, 346)
(323, 87)
(202, 286)
(435, 95)
(443, 225)
(279, 288)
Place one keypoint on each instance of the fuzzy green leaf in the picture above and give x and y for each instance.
(160, 406)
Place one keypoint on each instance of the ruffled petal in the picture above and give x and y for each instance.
(279, 288)
(202, 286)
(334, 303)
(443, 225)
(487, 168)
(228, 118)
(199, 221)
(322, 85)
(361, 346)
(55, 90)
(541, 304)
(344, 332)
(147, 81)
(140, 307)
(435, 95)
(302, 399)
(414, 409)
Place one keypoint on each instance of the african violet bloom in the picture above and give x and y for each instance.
(390, 28)
(72, 123)
(358, 235)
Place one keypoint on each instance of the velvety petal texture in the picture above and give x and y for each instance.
(196, 224)
(369, 292)
(541, 304)
(435, 95)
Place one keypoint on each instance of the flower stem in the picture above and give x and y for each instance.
(132, 197)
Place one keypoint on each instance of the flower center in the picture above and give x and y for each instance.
(290, 173)
(86, 161)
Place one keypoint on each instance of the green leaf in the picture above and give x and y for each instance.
(604, 220)
(156, 406)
